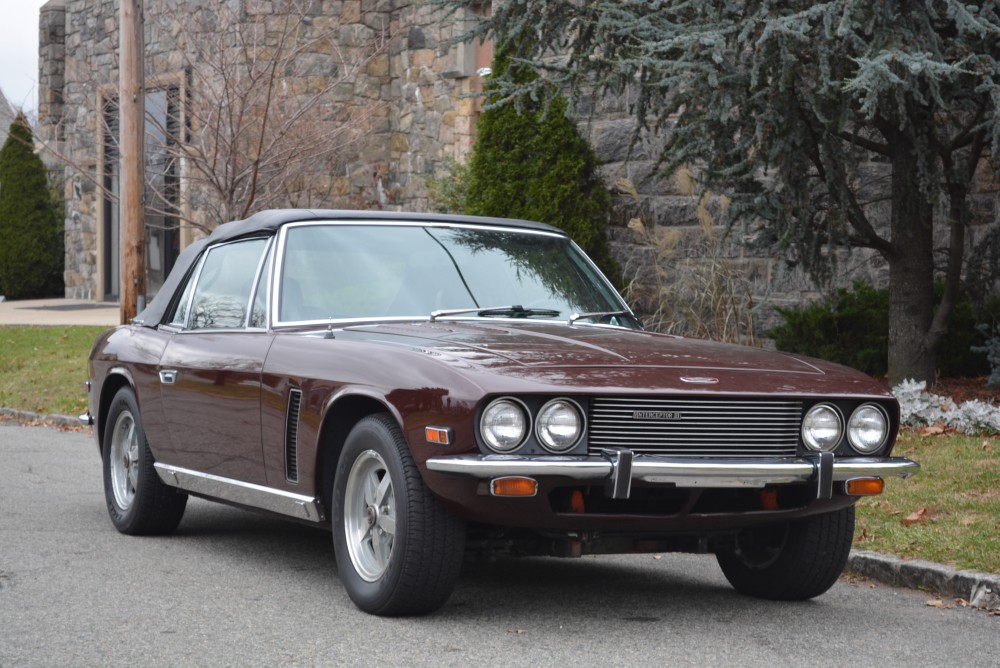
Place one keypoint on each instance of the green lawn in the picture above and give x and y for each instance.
(949, 513)
(42, 369)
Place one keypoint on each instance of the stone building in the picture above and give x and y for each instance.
(392, 61)
(7, 117)
(383, 67)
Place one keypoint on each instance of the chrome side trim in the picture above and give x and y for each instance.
(682, 472)
(242, 493)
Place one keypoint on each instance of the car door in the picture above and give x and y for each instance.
(210, 371)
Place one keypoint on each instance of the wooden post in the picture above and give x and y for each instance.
(131, 108)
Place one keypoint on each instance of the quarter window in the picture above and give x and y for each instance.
(220, 298)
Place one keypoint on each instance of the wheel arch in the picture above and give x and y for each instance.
(339, 419)
(115, 381)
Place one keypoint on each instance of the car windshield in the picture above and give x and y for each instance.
(370, 271)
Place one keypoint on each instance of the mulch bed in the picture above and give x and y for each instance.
(966, 389)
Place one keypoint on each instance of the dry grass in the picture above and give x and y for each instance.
(690, 289)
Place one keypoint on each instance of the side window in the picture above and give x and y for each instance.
(179, 318)
(258, 316)
(220, 297)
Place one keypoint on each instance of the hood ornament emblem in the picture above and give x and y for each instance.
(700, 380)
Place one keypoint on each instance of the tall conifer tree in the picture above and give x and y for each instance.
(782, 104)
(31, 240)
(532, 163)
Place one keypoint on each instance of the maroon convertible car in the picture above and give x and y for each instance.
(427, 385)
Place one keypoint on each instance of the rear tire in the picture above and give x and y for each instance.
(794, 561)
(398, 552)
(139, 503)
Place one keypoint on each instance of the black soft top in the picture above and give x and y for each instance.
(268, 222)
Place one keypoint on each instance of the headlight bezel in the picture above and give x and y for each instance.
(885, 429)
(809, 438)
(544, 438)
(489, 436)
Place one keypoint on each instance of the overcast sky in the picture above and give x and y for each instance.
(19, 52)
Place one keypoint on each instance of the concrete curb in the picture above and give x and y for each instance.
(981, 590)
(49, 420)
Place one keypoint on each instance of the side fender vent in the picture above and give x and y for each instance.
(292, 436)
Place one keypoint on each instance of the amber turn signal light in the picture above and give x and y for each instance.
(438, 435)
(865, 486)
(514, 486)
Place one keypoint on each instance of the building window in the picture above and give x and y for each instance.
(162, 190)
(111, 181)
(162, 196)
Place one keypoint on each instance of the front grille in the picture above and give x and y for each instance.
(696, 427)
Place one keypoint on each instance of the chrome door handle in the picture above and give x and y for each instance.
(168, 377)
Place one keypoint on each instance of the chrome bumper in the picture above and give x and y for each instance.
(618, 468)
(86, 419)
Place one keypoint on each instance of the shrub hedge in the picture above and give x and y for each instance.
(852, 328)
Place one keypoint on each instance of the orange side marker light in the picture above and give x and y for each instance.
(514, 486)
(865, 486)
(438, 435)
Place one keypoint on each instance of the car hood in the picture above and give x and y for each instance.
(593, 356)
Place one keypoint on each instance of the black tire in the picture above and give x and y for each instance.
(139, 503)
(791, 562)
(398, 552)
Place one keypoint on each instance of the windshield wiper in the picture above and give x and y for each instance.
(597, 314)
(513, 311)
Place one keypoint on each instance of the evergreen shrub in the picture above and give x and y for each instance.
(31, 223)
(852, 328)
(448, 188)
(533, 163)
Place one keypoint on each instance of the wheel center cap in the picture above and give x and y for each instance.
(372, 515)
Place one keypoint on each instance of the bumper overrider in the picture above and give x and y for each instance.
(617, 468)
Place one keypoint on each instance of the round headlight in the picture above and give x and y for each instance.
(822, 428)
(504, 425)
(867, 428)
(559, 425)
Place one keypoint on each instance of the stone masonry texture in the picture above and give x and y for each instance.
(416, 90)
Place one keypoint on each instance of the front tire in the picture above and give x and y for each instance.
(139, 503)
(790, 562)
(398, 552)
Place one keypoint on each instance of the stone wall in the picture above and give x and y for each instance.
(672, 244)
(7, 117)
(409, 94)
(416, 93)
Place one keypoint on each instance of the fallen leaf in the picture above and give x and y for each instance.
(940, 605)
(932, 430)
(518, 632)
(914, 517)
